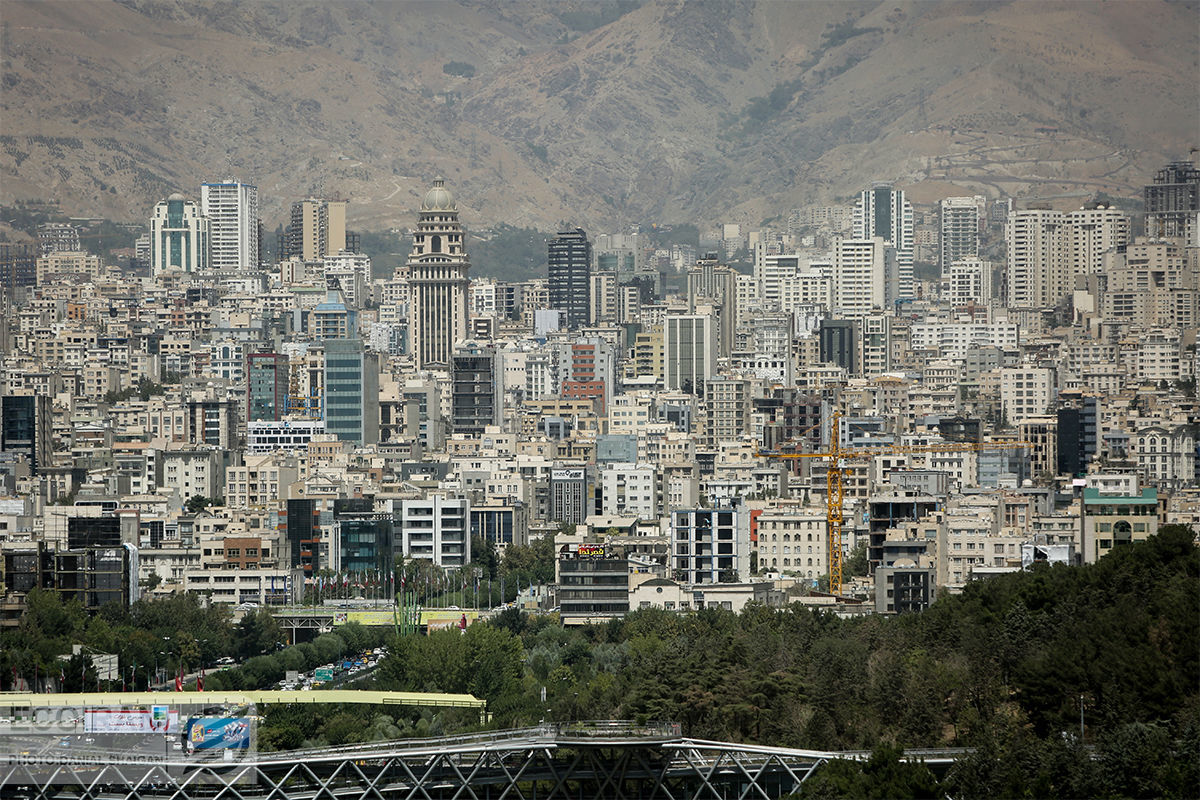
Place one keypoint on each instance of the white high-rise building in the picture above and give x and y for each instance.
(968, 281)
(774, 273)
(1036, 274)
(232, 211)
(178, 237)
(884, 212)
(438, 279)
(860, 276)
(1092, 232)
(959, 239)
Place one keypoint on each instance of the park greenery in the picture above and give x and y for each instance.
(1006, 668)
(1002, 668)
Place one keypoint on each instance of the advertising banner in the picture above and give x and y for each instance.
(224, 733)
(156, 719)
(435, 619)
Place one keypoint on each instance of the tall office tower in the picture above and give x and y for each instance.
(25, 429)
(351, 391)
(570, 260)
(233, 227)
(18, 265)
(317, 229)
(437, 280)
(689, 352)
(1172, 203)
(884, 212)
(475, 400)
(179, 236)
(1092, 232)
(959, 230)
(1037, 275)
(266, 386)
(865, 276)
(838, 342)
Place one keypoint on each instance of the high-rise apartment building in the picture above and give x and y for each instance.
(711, 545)
(1172, 202)
(1092, 232)
(231, 208)
(839, 343)
(715, 286)
(1036, 274)
(438, 280)
(865, 276)
(317, 229)
(570, 262)
(967, 281)
(436, 528)
(884, 212)
(1047, 249)
(959, 239)
(179, 236)
(58, 237)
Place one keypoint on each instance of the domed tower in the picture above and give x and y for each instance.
(438, 280)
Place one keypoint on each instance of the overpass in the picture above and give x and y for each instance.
(598, 759)
(23, 701)
(323, 619)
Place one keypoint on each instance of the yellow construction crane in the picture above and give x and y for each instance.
(838, 457)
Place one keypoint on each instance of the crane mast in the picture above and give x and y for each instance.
(839, 456)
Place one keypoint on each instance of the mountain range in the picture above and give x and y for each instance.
(599, 113)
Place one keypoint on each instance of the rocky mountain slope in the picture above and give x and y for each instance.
(599, 113)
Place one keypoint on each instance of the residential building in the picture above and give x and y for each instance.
(883, 212)
(231, 208)
(435, 528)
(710, 545)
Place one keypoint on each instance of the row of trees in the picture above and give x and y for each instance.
(161, 634)
(266, 665)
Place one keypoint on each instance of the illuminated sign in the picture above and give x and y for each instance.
(590, 551)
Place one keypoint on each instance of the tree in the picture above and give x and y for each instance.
(884, 775)
(197, 503)
(256, 634)
(857, 564)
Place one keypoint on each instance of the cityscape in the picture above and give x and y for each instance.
(893, 490)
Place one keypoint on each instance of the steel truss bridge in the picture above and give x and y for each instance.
(590, 760)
